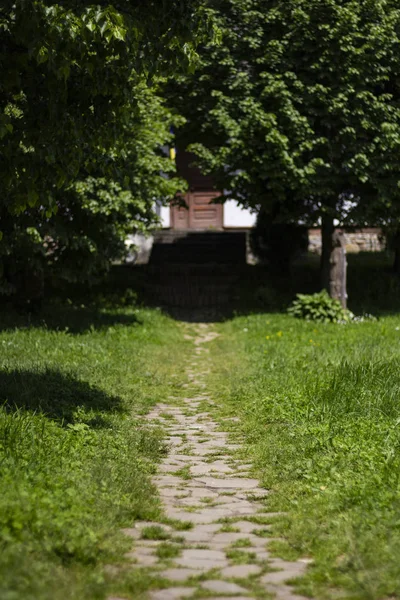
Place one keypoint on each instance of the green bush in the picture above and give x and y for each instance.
(319, 307)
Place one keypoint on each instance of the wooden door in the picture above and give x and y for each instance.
(200, 214)
(179, 217)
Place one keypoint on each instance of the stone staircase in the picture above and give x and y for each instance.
(195, 270)
(188, 247)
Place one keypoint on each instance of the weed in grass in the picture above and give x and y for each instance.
(261, 519)
(229, 529)
(240, 557)
(132, 583)
(262, 532)
(179, 525)
(167, 416)
(177, 539)
(154, 532)
(166, 550)
(184, 473)
(242, 543)
(228, 520)
(282, 549)
(207, 500)
(192, 509)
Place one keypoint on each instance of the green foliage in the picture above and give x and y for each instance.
(154, 532)
(76, 456)
(319, 307)
(95, 215)
(299, 106)
(69, 72)
(167, 550)
(319, 408)
(81, 129)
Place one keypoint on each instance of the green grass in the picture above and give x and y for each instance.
(240, 557)
(320, 409)
(75, 453)
(154, 532)
(166, 550)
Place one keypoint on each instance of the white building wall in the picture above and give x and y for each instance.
(236, 216)
(165, 216)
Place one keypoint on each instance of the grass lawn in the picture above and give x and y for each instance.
(75, 456)
(320, 409)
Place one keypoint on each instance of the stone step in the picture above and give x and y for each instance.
(199, 248)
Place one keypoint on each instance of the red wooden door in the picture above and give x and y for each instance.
(200, 213)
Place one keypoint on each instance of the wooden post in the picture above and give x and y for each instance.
(338, 269)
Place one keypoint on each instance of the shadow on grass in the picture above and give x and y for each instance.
(75, 320)
(57, 395)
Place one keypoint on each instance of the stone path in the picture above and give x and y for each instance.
(214, 544)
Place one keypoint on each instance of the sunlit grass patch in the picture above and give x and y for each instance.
(321, 424)
(75, 451)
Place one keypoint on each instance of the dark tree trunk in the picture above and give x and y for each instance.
(333, 262)
(327, 231)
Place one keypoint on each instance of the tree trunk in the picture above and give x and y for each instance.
(327, 231)
(333, 262)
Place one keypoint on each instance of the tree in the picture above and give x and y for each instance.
(81, 128)
(299, 107)
(69, 71)
(95, 214)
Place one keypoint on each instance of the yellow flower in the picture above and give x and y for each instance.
(267, 337)
(311, 341)
(279, 334)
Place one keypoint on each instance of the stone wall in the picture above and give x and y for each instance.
(357, 240)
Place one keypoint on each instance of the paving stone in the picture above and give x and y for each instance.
(166, 480)
(230, 598)
(227, 538)
(240, 571)
(193, 517)
(202, 559)
(196, 537)
(144, 560)
(223, 587)
(170, 468)
(171, 492)
(177, 574)
(247, 526)
(233, 483)
(282, 592)
(175, 440)
(204, 493)
(208, 527)
(173, 593)
(132, 532)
